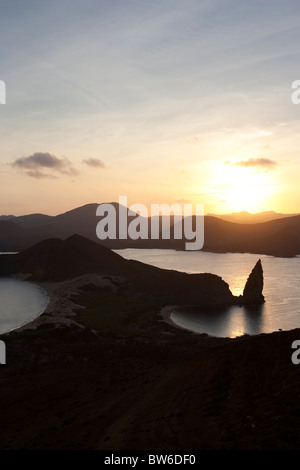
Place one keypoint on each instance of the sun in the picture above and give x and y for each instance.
(247, 196)
(243, 189)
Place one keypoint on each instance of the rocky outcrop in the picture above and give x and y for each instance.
(252, 293)
(58, 260)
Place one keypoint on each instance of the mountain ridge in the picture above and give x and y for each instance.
(276, 237)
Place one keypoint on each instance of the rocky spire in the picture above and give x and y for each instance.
(254, 286)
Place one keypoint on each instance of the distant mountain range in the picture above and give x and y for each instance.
(248, 218)
(278, 237)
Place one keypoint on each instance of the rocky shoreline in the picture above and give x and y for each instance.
(60, 310)
(133, 380)
(69, 388)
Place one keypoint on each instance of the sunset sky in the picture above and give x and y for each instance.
(161, 101)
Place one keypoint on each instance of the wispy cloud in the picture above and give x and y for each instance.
(35, 165)
(265, 164)
(256, 134)
(94, 162)
(39, 175)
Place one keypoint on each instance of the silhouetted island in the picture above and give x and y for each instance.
(252, 293)
(58, 260)
(121, 378)
(277, 237)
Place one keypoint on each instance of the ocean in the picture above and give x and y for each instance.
(281, 309)
(20, 303)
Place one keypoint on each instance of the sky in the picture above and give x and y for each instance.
(185, 101)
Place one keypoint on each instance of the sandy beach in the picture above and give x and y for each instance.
(166, 313)
(61, 308)
(150, 385)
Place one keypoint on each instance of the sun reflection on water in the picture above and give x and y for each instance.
(237, 285)
(237, 332)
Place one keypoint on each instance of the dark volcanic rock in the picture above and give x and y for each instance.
(252, 293)
(58, 260)
(173, 287)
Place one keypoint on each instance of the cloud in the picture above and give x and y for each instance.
(255, 134)
(94, 162)
(37, 174)
(34, 165)
(261, 163)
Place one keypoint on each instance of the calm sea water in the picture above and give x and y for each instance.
(281, 290)
(20, 303)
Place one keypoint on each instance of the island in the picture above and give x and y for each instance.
(101, 368)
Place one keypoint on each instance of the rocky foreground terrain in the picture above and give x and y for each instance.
(68, 388)
(103, 368)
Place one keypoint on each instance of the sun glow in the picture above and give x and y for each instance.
(243, 189)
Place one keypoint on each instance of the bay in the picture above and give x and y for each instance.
(281, 290)
(20, 303)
